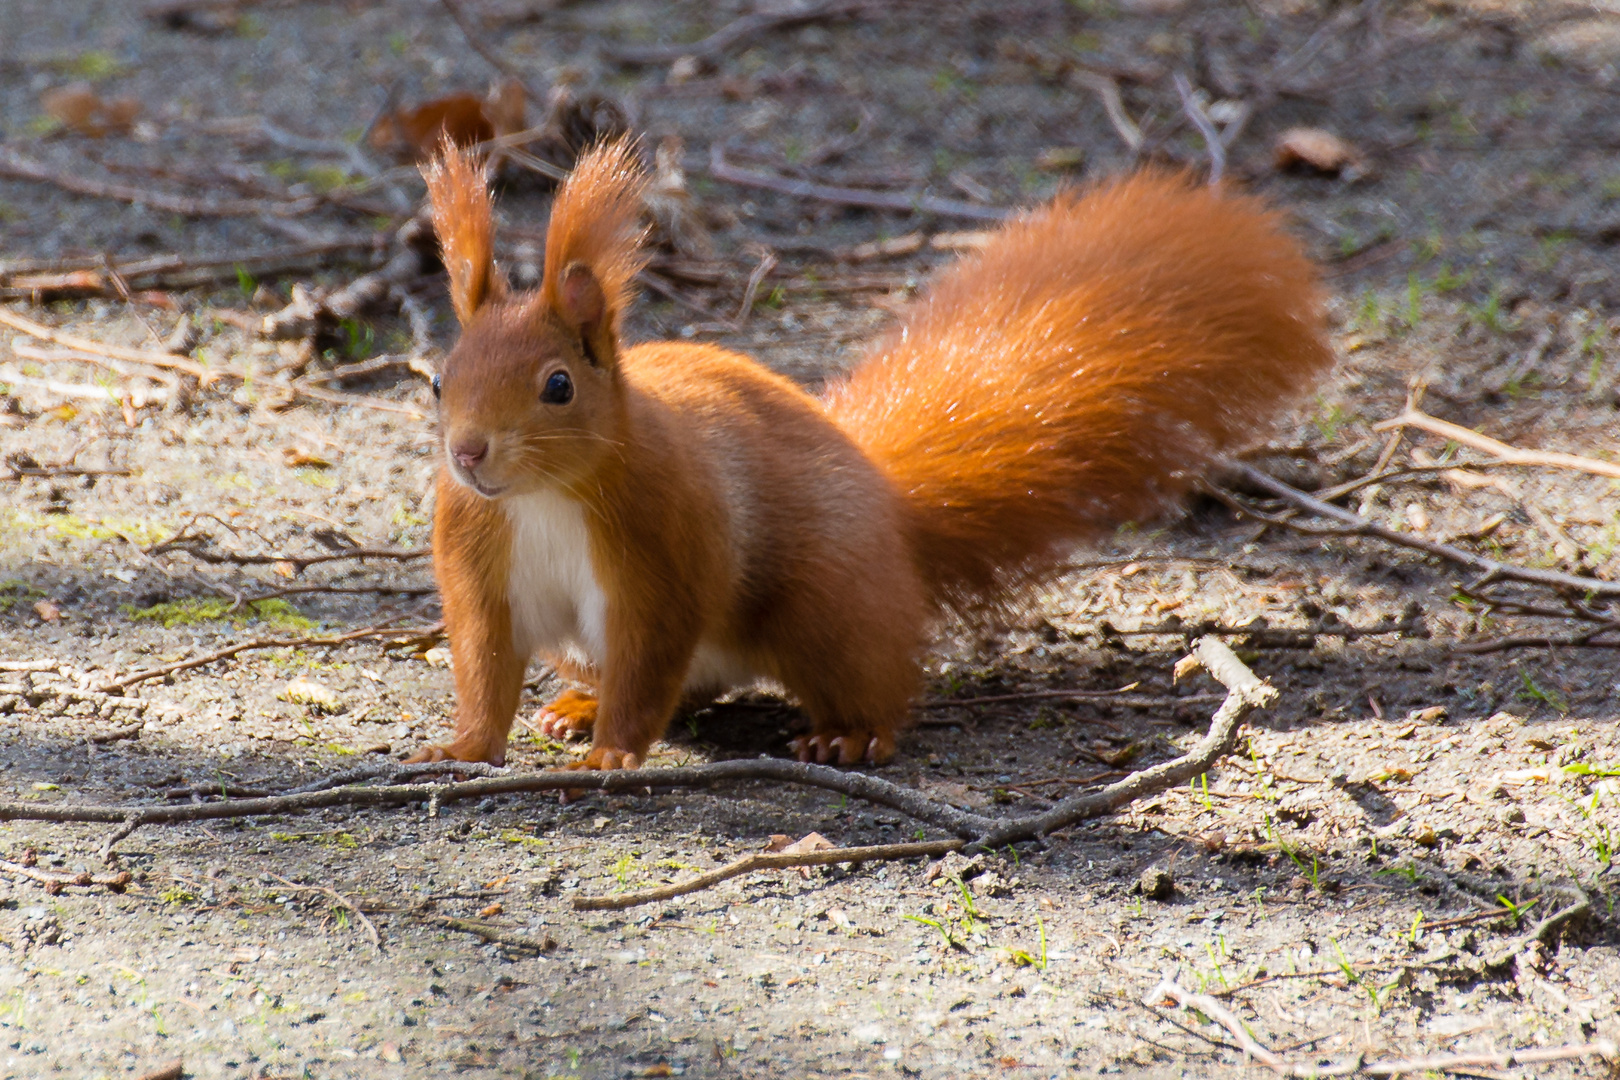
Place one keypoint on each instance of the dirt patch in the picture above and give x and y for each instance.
(1329, 880)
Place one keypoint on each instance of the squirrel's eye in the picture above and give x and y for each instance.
(435, 387)
(559, 389)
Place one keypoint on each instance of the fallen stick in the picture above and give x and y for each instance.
(767, 860)
(89, 276)
(249, 646)
(20, 168)
(1353, 525)
(55, 882)
(341, 900)
(483, 49)
(1210, 1007)
(720, 169)
(174, 1070)
(1106, 697)
(736, 32)
(1502, 451)
(1194, 111)
(1245, 693)
(298, 562)
(167, 361)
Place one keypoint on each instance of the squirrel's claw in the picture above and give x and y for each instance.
(851, 749)
(570, 715)
(458, 751)
(601, 757)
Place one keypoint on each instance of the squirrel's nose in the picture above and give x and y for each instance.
(469, 454)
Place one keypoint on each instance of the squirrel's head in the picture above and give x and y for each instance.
(531, 396)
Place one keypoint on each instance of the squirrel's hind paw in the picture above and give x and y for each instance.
(850, 749)
(570, 715)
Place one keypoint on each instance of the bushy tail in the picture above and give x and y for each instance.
(1080, 372)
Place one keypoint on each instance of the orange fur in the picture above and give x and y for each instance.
(1080, 372)
(596, 220)
(463, 219)
(682, 519)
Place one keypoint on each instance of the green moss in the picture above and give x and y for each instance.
(80, 528)
(276, 614)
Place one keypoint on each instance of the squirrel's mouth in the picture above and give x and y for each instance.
(467, 479)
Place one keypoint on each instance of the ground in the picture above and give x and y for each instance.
(1323, 878)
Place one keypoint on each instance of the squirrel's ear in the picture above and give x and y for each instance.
(463, 219)
(582, 307)
(593, 246)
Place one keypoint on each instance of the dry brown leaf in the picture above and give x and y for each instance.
(1318, 149)
(493, 909)
(295, 457)
(778, 841)
(48, 611)
(79, 108)
(808, 843)
(414, 134)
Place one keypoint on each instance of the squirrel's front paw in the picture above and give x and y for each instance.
(606, 758)
(874, 748)
(570, 715)
(459, 751)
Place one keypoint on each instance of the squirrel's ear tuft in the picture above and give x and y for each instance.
(463, 219)
(593, 245)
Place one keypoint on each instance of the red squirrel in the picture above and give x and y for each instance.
(666, 521)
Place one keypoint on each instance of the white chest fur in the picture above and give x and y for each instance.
(557, 603)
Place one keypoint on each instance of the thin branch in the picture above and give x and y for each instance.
(1113, 104)
(249, 646)
(21, 168)
(1210, 1007)
(298, 562)
(56, 882)
(1502, 451)
(767, 860)
(1206, 127)
(1354, 525)
(1246, 693)
(167, 361)
(1219, 1013)
(720, 169)
(737, 32)
(341, 900)
(1107, 697)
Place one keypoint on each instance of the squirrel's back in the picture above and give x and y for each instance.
(1079, 372)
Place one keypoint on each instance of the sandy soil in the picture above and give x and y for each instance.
(1400, 785)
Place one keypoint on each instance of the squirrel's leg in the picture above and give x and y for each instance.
(469, 553)
(640, 687)
(858, 697)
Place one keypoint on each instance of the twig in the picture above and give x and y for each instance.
(1246, 693)
(342, 901)
(297, 562)
(1107, 697)
(1275, 636)
(1354, 525)
(1510, 455)
(1210, 1007)
(1206, 127)
(1530, 641)
(763, 860)
(344, 590)
(720, 169)
(249, 646)
(20, 168)
(361, 401)
(479, 46)
(498, 935)
(1107, 90)
(737, 32)
(175, 271)
(168, 361)
(1219, 1013)
(56, 882)
(1546, 931)
(767, 263)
